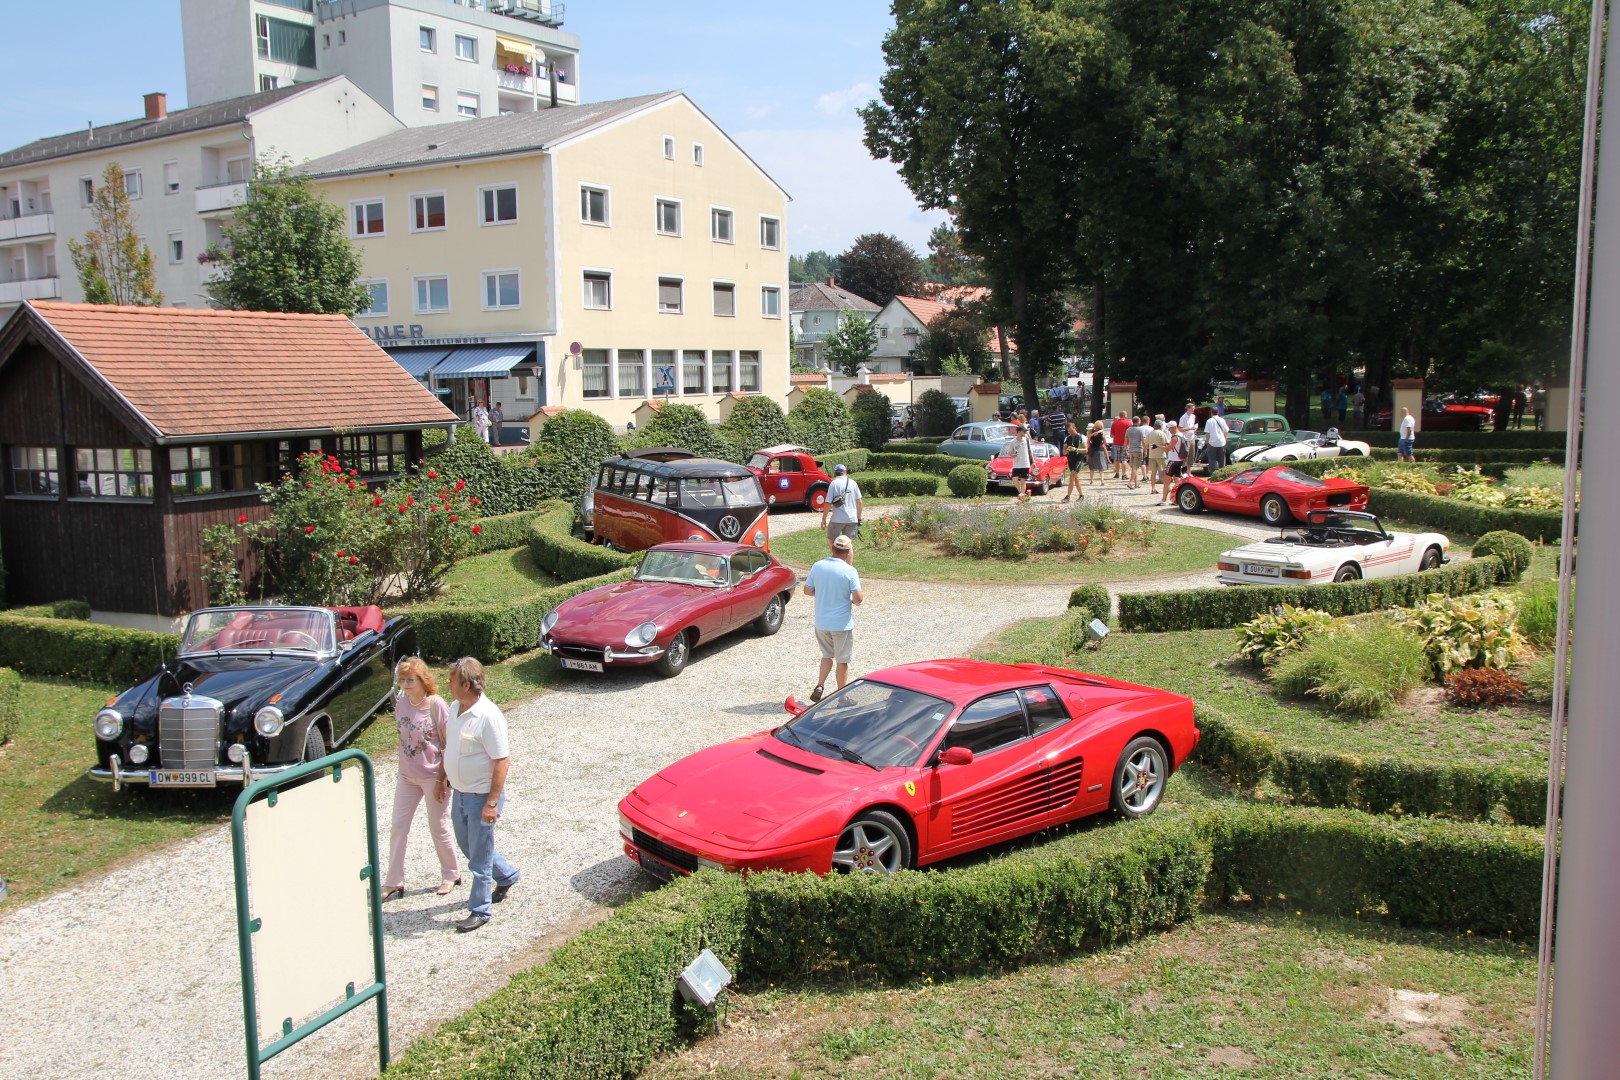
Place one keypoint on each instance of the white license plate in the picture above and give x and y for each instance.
(1260, 570)
(582, 665)
(181, 777)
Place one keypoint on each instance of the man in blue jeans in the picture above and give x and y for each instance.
(836, 588)
(475, 765)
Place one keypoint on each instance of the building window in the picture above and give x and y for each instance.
(132, 183)
(285, 42)
(466, 48)
(720, 225)
(499, 205)
(372, 455)
(669, 295)
(770, 302)
(630, 384)
(697, 153)
(596, 372)
(326, 41)
(430, 97)
(261, 31)
(598, 289)
(668, 217)
(379, 297)
(171, 178)
(725, 298)
(87, 191)
(113, 474)
(343, 36)
(427, 39)
(720, 365)
(427, 212)
(242, 466)
(501, 290)
(366, 218)
(748, 372)
(33, 470)
(466, 103)
(692, 380)
(432, 294)
(593, 205)
(770, 233)
(177, 248)
(191, 470)
(669, 148)
(268, 82)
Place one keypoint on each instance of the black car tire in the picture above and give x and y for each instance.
(673, 662)
(871, 830)
(1189, 499)
(1348, 572)
(1431, 560)
(1274, 510)
(1140, 777)
(770, 620)
(1350, 453)
(314, 743)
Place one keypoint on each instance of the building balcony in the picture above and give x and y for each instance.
(15, 292)
(217, 197)
(536, 87)
(544, 12)
(27, 227)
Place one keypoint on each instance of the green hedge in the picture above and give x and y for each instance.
(10, 703)
(556, 550)
(505, 531)
(1483, 455)
(1467, 440)
(896, 485)
(1094, 601)
(58, 609)
(74, 649)
(922, 444)
(493, 632)
(938, 464)
(1230, 605)
(855, 460)
(1456, 516)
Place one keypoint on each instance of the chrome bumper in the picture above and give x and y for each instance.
(244, 774)
(633, 656)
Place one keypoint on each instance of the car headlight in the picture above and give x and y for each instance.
(109, 724)
(236, 752)
(641, 635)
(269, 721)
(624, 826)
(548, 622)
(759, 538)
(138, 754)
(709, 864)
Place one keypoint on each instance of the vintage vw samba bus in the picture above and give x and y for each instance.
(639, 502)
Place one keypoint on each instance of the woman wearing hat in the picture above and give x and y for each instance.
(1096, 451)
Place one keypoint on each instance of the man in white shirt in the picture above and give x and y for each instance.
(1408, 438)
(1215, 429)
(475, 765)
(1189, 417)
(844, 505)
(1018, 448)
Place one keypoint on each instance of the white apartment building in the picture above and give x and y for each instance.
(185, 172)
(426, 61)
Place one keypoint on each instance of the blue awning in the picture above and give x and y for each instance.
(485, 361)
(418, 362)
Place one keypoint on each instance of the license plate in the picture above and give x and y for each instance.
(1260, 570)
(653, 866)
(181, 777)
(582, 665)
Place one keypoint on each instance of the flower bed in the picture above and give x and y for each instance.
(1089, 530)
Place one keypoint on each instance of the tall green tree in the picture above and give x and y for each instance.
(880, 267)
(956, 331)
(114, 267)
(948, 263)
(816, 266)
(851, 343)
(288, 250)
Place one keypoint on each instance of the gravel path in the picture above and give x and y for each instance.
(139, 965)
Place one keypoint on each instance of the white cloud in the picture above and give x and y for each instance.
(840, 102)
(757, 112)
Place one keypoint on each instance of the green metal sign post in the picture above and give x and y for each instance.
(248, 923)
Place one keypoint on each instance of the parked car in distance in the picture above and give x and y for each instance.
(682, 595)
(911, 765)
(1253, 429)
(1332, 545)
(1046, 469)
(1007, 405)
(961, 404)
(1306, 446)
(251, 692)
(790, 476)
(981, 440)
(1275, 494)
(1442, 416)
(585, 512)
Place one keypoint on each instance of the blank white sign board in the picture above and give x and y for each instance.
(304, 858)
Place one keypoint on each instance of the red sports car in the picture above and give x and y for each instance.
(1276, 494)
(790, 476)
(1045, 471)
(1443, 416)
(682, 595)
(911, 765)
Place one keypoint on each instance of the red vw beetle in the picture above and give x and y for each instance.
(911, 765)
(1275, 494)
(790, 476)
(682, 595)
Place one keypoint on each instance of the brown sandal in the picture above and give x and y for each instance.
(446, 886)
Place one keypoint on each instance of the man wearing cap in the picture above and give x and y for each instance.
(836, 589)
(843, 505)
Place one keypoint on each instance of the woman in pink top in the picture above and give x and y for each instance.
(421, 715)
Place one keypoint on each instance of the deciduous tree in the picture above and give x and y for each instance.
(851, 343)
(114, 267)
(880, 267)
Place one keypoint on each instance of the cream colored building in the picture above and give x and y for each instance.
(591, 257)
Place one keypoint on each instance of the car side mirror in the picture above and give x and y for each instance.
(956, 755)
(791, 705)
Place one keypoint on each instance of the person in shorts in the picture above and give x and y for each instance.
(1023, 457)
(1096, 451)
(1117, 433)
(1405, 445)
(843, 506)
(1134, 448)
(836, 589)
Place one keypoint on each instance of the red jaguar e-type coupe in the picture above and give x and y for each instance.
(681, 595)
(1276, 494)
(911, 765)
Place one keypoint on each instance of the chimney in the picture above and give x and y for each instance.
(832, 281)
(157, 106)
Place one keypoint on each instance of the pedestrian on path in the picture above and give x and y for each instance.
(836, 589)
(1121, 425)
(844, 506)
(1215, 430)
(1408, 438)
(1096, 452)
(422, 718)
(1189, 417)
(476, 760)
(1018, 448)
(1157, 440)
(496, 418)
(480, 421)
(1074, 449)
(1175, 463)
(1134, 449)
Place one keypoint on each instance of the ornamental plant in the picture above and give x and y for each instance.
(1267, 637)
(1015, 532)
(1467, 632)
(1478, 688)
(1363, 670)
(1407, 480)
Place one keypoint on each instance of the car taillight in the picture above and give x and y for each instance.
(1305, 574)
(1226, 566)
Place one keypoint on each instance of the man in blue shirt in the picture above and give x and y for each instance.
(836, 588)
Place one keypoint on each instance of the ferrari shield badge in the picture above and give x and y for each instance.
(911, 789)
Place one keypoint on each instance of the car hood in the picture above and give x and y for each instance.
(243, 684)
(609, 613)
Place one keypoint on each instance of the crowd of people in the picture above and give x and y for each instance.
(1143, 451)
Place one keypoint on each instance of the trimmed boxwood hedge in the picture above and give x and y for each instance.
(75, 649)
(895, 485)
(1467, 440)
(855, 460)
(505, 531)
(1229, 605)
(938, 464)
(493, 632)
(1093, 600)
(603, 1006)
(922, 444)
(10, 703)
(57, 609)
(1456, 516)
(556, 550)
(1483, 455)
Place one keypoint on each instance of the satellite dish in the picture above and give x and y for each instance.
(576, 348)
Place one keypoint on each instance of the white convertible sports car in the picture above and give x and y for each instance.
(1307, 446)
(1332, 545)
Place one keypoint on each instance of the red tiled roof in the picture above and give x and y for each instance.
(189, 371)
(888, 376)
(986, 388)
(924, 309)
(809, 377)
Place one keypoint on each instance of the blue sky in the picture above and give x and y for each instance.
(783, 80)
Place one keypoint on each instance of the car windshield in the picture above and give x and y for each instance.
(683, 567)
(258, 629)
(759, 461)
(998, 431)
(1345, 524)
(1297, 477)
(712, 494)
(871, 723)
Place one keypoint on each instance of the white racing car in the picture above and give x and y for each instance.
(1307, 446)
(1332, 545)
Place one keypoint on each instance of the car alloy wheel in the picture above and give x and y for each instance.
(1140, 776)
(1188, 498)
(1274, 511)
(770, 620)
(673, 662)
(818, 499)
(874, 843)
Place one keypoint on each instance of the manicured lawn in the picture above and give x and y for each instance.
(495, 576)
(1238, 992)
(1175, 550)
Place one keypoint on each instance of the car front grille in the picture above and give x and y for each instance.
(188, 732)
(576, 652)
(672, 855)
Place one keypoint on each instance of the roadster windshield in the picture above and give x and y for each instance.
(683, 567)
(262, 629)
(870, 722)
